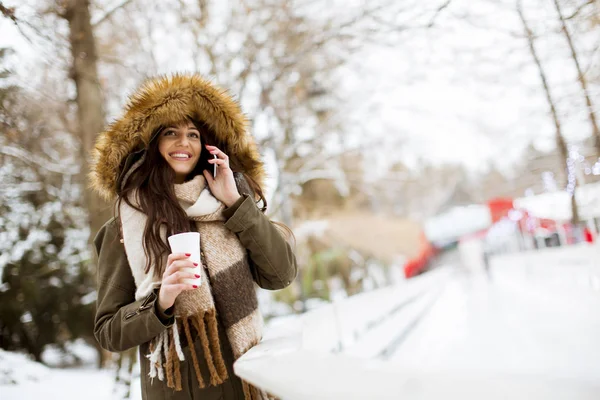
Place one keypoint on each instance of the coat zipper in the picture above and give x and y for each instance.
(143, 307)
(131, 314)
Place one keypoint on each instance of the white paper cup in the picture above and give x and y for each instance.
(188, 242)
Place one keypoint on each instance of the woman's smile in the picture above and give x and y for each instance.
(181, 156)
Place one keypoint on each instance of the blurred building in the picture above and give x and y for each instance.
(528, 178)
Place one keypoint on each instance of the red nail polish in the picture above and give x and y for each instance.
(195, 264)
(197, 276)
(195, 286)
(188, 254)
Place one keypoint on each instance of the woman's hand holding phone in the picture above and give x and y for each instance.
(222, 183)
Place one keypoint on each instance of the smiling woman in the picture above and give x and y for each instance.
(181, 145)
(155, 161)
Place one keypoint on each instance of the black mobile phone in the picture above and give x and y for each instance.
(215, 167)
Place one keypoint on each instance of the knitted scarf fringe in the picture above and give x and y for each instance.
(167, 347)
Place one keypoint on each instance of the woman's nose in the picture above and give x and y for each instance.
(184, 140)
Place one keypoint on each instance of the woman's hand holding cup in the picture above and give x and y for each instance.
(179, 276)
(182, 272)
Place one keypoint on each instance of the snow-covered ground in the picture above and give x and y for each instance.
(480, 325)
(535, 314)
(64, 384)
(21, 378)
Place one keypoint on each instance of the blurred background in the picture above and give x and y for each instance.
(400, 137)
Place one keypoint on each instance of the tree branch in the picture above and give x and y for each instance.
(110, 13)
(46, 164)
(438, 12)
(579, 9)
(8, 12)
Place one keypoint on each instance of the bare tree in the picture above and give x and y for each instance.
(580, 75)
(90, 107)
(560, 140)
(284, 66)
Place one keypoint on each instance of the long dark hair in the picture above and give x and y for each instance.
(153, 181)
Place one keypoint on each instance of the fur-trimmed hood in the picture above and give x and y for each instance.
(166, 100)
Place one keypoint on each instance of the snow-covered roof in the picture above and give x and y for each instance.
(457, 222)
(557, 205)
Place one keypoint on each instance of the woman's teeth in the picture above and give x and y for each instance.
(180, 156)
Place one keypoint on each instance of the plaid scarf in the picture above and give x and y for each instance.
(227, 289)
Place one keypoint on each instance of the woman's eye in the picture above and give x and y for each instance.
(168, 133)
(194, 135)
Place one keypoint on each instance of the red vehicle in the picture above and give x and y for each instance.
(498, 209)
(418, 264)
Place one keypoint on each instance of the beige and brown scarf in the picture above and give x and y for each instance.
(227, 289)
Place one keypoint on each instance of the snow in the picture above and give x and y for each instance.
(482, 326)
(457, 222)
(77, 352)
(66, 384)
(535, 315)
(557, 205)
(17, 370)
(23, 378)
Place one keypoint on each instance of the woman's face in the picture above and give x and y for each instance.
(180, 146)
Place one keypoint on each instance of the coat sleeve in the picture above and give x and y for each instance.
(121, 322)
(271, 257)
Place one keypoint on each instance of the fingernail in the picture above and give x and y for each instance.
(188, 254)
(195, 286)
(197, 276)
(195, 264)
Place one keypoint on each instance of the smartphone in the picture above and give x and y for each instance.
(215, 166)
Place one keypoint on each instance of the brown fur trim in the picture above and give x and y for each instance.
(166, 100)
(186, 328)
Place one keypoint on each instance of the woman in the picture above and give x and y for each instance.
(158, 162)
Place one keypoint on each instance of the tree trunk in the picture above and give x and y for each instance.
(90, 109)
(581, 78)
(560, 140)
